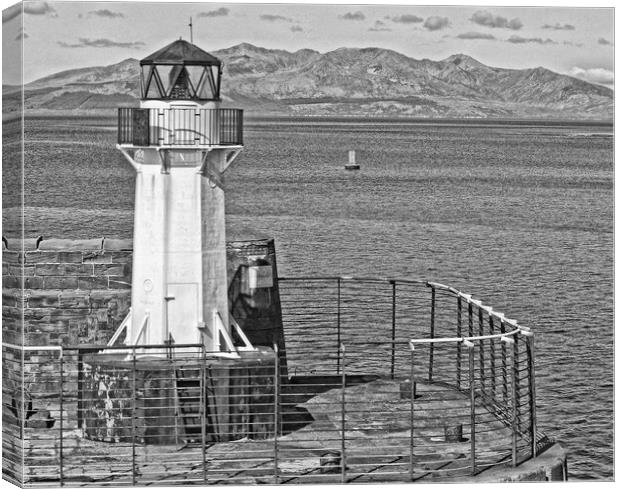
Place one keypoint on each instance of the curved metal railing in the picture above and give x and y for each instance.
(431, 335)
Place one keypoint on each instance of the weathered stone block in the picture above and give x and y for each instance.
(88, 283)
(33, 317)
(43, 298)
(117, 270)
(66, 313)
(121, 256)
(10, 282)
(17, 244)
(33, 339)
(33, 257)
(71, 244)
(96, 257)
(119, 284)
(12, 297)
(55, 282)
(102, 298)
(20, 270)
(64, 269)
(74, 300)
(117, 244)
(30, 282)
(70, 257)
(13, 257)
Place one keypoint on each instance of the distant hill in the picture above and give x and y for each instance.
(347, 81)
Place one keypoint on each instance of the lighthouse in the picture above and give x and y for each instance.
(180, 143)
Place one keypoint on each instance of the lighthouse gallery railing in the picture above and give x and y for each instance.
(403, 380)
(180, 127)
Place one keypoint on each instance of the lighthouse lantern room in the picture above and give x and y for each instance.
(180, 142)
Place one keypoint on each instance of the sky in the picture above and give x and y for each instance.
(56, 36)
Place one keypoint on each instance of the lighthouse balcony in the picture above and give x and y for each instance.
(180, 127)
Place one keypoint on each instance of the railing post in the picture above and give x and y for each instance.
(531, 358)
(393, 352)
(492, 342)
(511, 341)
(502, 329)
(60, 421)
(338, 330)
(516, 389)
(276, 402)
(119, 126)
(481, 349)
(472, 401)
(203, 410)
(411, 411)
(459, 334)
(133, 418)
(343, 459)
(432, 345)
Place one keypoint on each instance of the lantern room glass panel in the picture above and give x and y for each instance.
(196, 73)
(152, 90)
(165, 73)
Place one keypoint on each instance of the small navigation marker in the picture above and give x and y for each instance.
(351, 165)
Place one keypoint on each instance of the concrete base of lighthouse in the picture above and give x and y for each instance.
(155, 400)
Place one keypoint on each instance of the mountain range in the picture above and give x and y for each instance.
(346, 81)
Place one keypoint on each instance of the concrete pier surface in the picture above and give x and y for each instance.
(376, 443)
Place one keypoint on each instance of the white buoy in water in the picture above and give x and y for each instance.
(351, 165)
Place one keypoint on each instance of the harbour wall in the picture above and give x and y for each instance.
(71, 292)
(63, 292)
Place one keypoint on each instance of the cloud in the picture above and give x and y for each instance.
(379, 27)
(525, 40)
(39, 8)
(11, 12)
(101, 43)
(603, 41)
(487, 19)
(220, 12)
(476, 35)
(559, 27)
(353, 16)
(32, 8)
(296, 28)
(275, 18)
(106, 13)
(436, 23)
(408, 19)
(102, 13)
(602, 76)
(21, 35)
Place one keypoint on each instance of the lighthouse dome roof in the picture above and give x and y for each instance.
(181, 52)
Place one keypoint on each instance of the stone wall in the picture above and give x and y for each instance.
(64, 292)
(71, 292)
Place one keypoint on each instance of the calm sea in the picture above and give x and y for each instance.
(519, 215)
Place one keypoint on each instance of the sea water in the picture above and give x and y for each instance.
(520, 215)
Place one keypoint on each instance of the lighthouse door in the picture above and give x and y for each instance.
(182, 313)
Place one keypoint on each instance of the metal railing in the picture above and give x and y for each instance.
(180, 127)
(383, 322)
(387, 381)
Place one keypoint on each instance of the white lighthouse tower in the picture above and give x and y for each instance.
(180, 143)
